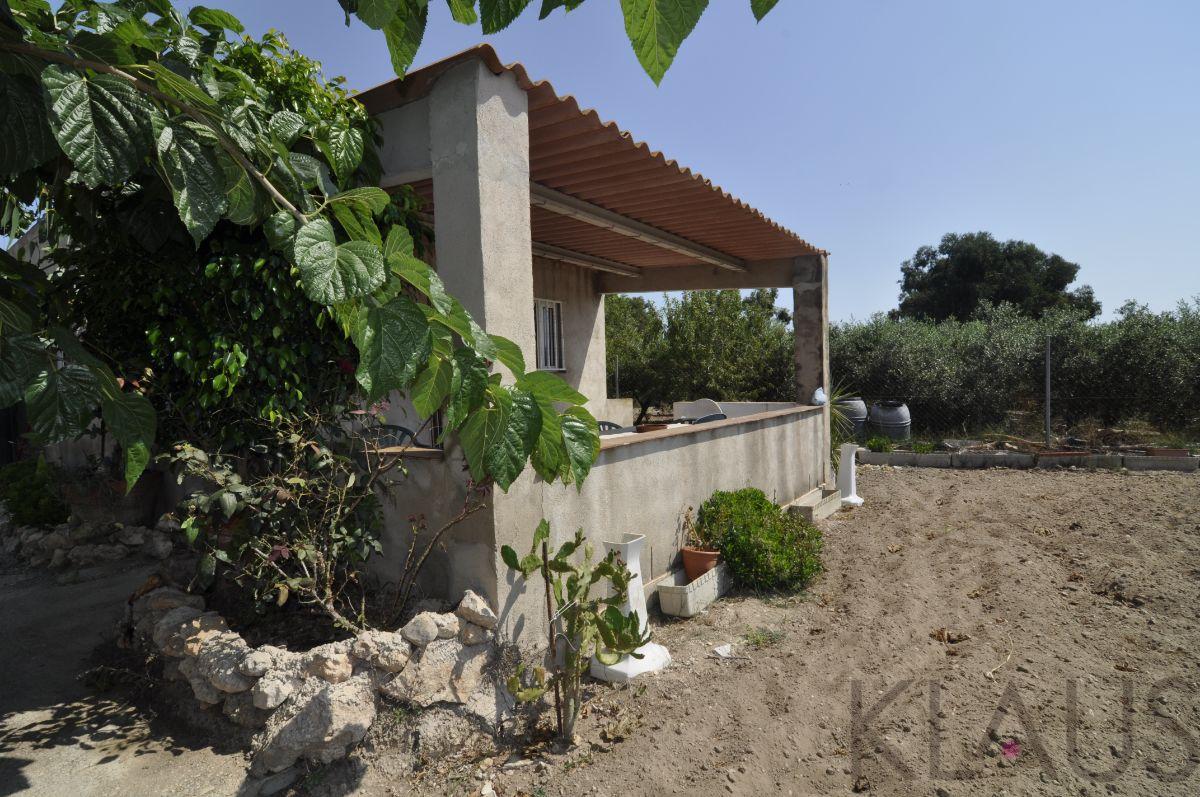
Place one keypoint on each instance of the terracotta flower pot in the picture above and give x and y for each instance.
(698, 561)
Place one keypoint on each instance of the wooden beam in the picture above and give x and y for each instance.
(551, 252)
(566, 205)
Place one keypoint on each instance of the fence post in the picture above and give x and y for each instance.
(1048, 443)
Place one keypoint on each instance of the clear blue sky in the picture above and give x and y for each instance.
(871, 127)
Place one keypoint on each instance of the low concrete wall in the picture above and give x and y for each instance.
(643, 484)
(1012, 459)
(733, 409)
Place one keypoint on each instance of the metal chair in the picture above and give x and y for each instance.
(387, 435)
(609, 426)
(716, 416)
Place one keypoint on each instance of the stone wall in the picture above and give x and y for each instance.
(316, 704)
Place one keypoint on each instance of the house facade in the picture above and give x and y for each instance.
(539, 209)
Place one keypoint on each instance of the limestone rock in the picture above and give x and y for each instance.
(274, 688)
(186, 638)
(83, 555)
(471, 634)
(474, 609)
(332, 667)
(447, 625)
(257, 662)
(421, 630)
(162, 600)
(131, 536)
(218, 659)
(383, 649)
(240, 709)
(445, 672)
(167, 524)
(171, 622)
(54, 541)
(157, 545)
(58, 558)
(204, 691)
(338, 716)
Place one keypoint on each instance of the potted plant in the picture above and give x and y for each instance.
(700, 550)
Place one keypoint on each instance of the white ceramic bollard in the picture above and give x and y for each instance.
(846, 479)
(654, 656)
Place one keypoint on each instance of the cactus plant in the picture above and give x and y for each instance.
(589, 625)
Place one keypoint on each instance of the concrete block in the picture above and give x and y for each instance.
(680, 599)
(816, 504)
(991, 459)
(893, 458)
(1106, 461)
(1063, 459)
(1185, 464)
(937, 459)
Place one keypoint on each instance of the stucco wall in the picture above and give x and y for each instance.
(643, 485)
(583, 325)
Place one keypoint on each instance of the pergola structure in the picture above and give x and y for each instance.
(534, 200)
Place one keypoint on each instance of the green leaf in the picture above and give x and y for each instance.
(215, 20)
(25, 137)
(468, 386)
(508, 452)
(656, 28)
(393, 341)
(432, 386)
(404, 33)
(331, 272)
(175, 85)
(496, 15)
(60, 402)
(137, 457)
(510, 557)
(244, 200)
(541, 533)
(419, 274)
(463, 11)
(101, 122)
(281, 228)
(377, 13)
(130, 417)
(550, 387)
(22, 358)
(196, 179)
(399, 241)
(548, 6)
(343, 148)
(286, 126)
(508, 353)
(581, 439)
(13, 318)
(483, 428)
(206, 571)
(228, 502)
(358, 224)
(373, 200)
(761, 8)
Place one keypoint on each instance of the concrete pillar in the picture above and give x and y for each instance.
(810, 321)
(479, 149)
(479, 158)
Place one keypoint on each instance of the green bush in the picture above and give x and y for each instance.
(923, 448)
(781, 554)
(964, 376)
(764, 547)
(726, 511)
(879, 445)
(28, 490)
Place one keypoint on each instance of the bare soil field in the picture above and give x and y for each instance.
(1004, 632)
(974, 633)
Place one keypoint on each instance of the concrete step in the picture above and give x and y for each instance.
(817, 504)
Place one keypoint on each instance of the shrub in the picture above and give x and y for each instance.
(28, 490)
(783, 553)
(923, 448)
(879, 444)
(725, 511)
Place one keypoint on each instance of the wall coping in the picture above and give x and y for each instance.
(611, 442)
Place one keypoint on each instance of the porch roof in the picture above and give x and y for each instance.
(602, 199)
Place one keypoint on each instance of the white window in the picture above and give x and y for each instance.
(547, 327)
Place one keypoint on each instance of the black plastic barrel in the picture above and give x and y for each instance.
(891, 419)
(855, 410)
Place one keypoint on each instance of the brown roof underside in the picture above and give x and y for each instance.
(573, 151)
